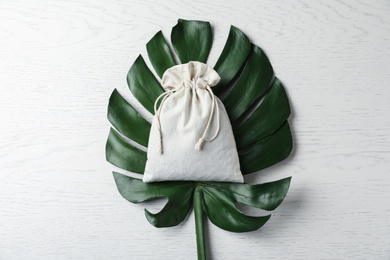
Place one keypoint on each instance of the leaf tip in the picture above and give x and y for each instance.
(156, 35)
(151, 218)
(108, 147)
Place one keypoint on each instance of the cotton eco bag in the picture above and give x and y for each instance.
(191, 137)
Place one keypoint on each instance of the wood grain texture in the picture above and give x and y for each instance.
(60, 61)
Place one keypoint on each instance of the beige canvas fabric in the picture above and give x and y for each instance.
(191, 136)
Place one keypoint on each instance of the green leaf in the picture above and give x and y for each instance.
(268, 151)
(191, 40)
(124, 155)
(232, 58)
(263, 138)
(159, 54)
(179, 196)
(127, 120)
(266, 119)
(143, 84)
(267, 196)
(219, 207)
(252, 84)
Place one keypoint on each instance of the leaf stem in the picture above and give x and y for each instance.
(199, 224)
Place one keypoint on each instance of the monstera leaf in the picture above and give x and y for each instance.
(262, 132)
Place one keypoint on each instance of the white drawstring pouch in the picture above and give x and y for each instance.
(191, 137)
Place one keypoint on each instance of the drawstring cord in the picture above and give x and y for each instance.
(213, 107)
(157, 112)
(198, 145)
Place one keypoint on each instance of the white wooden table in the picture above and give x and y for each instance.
(59, 62)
